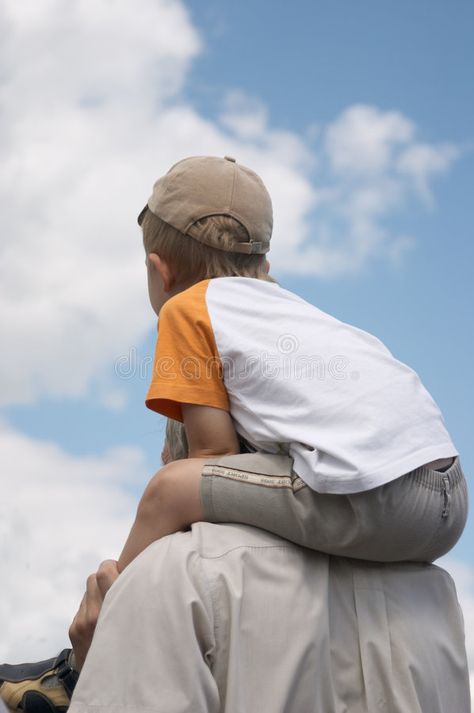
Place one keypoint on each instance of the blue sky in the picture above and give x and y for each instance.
(309, 60)
(359, 117)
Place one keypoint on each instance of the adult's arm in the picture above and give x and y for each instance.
(83, 626)
(153, 641)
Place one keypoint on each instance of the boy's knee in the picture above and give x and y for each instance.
(173, 493)
(158, 492)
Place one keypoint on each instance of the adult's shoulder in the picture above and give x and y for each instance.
(219, 605)
(212, 540)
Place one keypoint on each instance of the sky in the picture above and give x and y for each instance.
(359, 118)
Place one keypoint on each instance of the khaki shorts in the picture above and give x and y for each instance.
(417, 517)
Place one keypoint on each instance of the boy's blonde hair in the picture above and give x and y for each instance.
(192, 260)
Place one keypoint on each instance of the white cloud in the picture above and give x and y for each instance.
(113, 400)
(421, 162)
(90, 53)
(371, 167)
(362, 140)
(246, 118)
(60, 517)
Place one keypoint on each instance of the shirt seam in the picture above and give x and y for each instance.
(289, 546)
(212, 600)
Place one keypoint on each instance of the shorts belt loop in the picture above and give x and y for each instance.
(447, 496)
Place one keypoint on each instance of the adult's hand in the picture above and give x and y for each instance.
(83, 626)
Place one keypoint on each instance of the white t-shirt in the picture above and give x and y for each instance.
(297, 381)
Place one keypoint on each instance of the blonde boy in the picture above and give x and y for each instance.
(351, 455)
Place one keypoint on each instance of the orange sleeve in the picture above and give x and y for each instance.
(187, 367)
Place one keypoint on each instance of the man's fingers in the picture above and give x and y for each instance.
(106, 576)
(93, 599)
(83, 626)
(74, 629)
(86, 618)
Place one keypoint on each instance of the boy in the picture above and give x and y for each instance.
(350, 453)
(363, 436)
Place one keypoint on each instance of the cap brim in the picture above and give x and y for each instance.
(142, 215)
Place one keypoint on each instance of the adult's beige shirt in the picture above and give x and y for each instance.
(231, 619)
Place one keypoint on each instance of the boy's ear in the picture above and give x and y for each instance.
(267, 266)
(162, 267)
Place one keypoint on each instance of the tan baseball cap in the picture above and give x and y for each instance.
(201, 186)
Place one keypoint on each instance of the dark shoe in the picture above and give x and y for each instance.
(41, 687)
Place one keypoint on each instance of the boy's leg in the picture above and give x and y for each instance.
(417, 517)
(171, 502)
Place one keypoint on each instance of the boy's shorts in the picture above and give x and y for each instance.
(417, 517)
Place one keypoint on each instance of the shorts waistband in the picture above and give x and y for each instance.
(437, 479)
